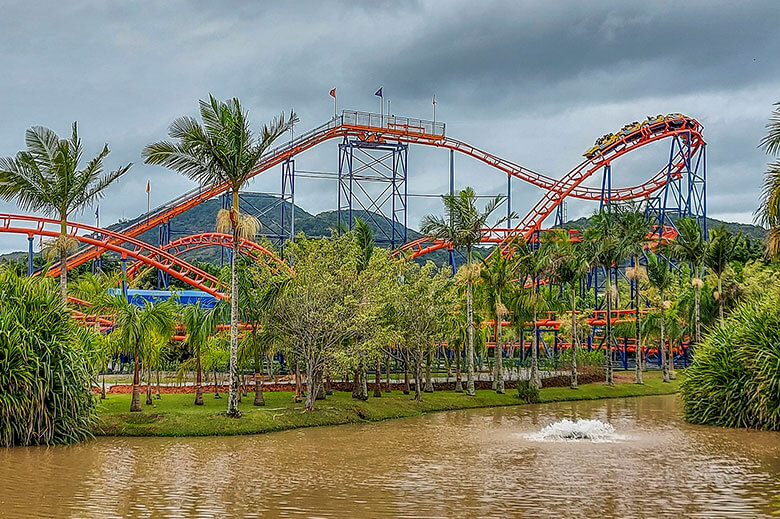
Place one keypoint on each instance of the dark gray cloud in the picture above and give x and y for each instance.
(533, 82)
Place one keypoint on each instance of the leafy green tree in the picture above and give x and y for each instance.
(768, 212)
(135, 329)
(690, 247)
(221, 151)
(719, 252)
(463, 226)
(634, 229)
(46, 177)
(660, 275)
(423, 296)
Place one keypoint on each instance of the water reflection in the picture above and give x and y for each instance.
(474, 463)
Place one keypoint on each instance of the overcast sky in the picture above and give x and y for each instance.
(533, 82)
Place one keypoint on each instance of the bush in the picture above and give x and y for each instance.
(734, 380)
(527, 393)
(45, 393)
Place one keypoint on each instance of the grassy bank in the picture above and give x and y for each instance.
(174, 415)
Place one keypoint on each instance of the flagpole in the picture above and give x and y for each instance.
(335, 111)
(382, 110)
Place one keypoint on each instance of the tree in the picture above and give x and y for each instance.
(315, 312)
(199, 325)
(46, 177)
(690, 247)
(135, 328)
(768, 212)
(571, 264)
(660, 275)
(424, 296)
(634, 229)
(463, 226)
(221, 151)
(719, 252)
(496, 275)
(607, 250)
(535, 267)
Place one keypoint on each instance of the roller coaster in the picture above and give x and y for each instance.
(678, 188)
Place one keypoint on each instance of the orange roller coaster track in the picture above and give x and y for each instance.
(125, 246)
(372, 128)
(215, 239)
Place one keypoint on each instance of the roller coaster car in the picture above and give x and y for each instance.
(608, 141)
(591, 151)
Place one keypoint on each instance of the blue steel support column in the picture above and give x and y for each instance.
(30, 239)
(124, 276)
(163, 278)
(288, 184)
(451, 251)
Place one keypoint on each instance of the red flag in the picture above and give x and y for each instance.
(333, 93)
(148, 186)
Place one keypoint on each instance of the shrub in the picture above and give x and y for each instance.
(45, 393)
(734, 380)
(527, 393)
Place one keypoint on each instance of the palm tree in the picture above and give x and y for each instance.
(223, 150)
(768, 212)
(46, 177)
(719, 253)
(659, 273)
(691, 247)
(135, 326)
(634, 229)
(463, 227)
(199, 324)
(496, 275)
(608, 250)
(534, 267)
(571, 265)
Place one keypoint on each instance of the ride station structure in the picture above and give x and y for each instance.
(373, 150)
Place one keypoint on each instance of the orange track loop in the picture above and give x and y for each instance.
(214, 239)
(354, 124)
(126, 246)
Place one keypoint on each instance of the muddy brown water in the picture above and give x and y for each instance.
(475, 463)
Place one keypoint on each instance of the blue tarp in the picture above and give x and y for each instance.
(185, 297)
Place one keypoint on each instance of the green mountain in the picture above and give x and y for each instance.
(746, 229)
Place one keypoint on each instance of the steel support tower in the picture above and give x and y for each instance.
(372, 185)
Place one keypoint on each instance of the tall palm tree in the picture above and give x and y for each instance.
(134, 328)
(199, 325)
(690, 247)
(572, 264)
(659, 273)
(463, 227)
(719, 253)
(46, 177)
(222, 150)
(634, 229)
(496, 275)
(768, 212)
(534, 267)
(608, 250)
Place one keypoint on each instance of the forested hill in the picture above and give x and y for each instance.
(746, 229)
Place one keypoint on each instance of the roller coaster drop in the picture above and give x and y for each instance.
(374, 148)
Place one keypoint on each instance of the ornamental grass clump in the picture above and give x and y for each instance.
(45, 395)
(735, 377)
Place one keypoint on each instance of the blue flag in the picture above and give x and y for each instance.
(378, 92)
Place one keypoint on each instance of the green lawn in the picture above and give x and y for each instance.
(175, 415)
